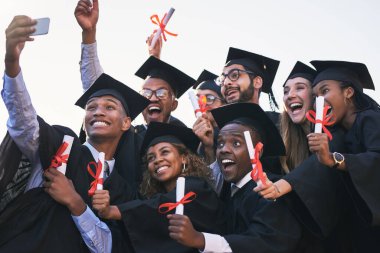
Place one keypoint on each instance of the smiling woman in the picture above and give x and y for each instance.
(168, 152)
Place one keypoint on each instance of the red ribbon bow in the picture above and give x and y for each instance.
(167, 207)
(202, 102)
(257, 171)
(156, 20)
(98, 169)
(326, 121)
(58, 158)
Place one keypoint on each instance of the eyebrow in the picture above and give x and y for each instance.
(112, 100)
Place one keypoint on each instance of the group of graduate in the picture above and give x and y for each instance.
(319, 192)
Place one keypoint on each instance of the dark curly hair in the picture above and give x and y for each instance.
(195, 167)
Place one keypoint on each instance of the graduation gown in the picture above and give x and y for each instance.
(148, 229)
(34, 222)
(342, 205)
(259, 225)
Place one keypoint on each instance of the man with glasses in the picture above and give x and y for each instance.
(163, 84)
(245, 75)
(161, 90)
(205, 127)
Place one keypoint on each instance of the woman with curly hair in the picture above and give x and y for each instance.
(169, 152)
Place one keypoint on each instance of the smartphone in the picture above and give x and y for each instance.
(42, 26)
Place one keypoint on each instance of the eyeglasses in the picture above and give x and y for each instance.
(160, 93)
(233, 75)
(210, 99)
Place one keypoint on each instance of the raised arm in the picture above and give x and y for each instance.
(87, 18)
(22, 123)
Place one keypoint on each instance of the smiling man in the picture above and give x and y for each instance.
(253, 223)
(54, 205)
(245, 75)
(162, 82)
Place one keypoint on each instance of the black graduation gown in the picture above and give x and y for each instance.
(148, 229)
(341, 206)
(36, 213)
(259, 225)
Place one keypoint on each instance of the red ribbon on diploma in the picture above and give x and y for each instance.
(167, 207)
(156, 20)
(326, 121)
(58, 158)
(98, 169)
(202, 102)
(257, 171)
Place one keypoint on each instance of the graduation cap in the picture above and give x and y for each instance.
(259, 64)
(352, 72)
(302, 70)
(155, 68)
(206, 81)
(162, 132)
(251, 114)
(131, 100)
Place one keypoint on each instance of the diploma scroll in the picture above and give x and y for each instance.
(319, 106)
(180, 193)
(159, 31)
(194, 102)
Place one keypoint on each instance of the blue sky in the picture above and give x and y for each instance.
(284, 30)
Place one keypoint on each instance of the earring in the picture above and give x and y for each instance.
(183, 167)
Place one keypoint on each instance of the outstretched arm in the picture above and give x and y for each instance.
(87, 17)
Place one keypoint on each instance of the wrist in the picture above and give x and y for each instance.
(89, 36)
(76, 205)
(199, 242)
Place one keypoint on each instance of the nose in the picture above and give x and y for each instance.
(291, 93)
(154, 97)
(99, 111)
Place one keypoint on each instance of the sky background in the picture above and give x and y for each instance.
(284, 30)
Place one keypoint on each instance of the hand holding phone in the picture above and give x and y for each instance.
(42, 26)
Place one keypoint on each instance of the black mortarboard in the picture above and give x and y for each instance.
(131, 100)
(206, 81)
(155, 68)
(259, 64)
(162, 132)
(252, 115)
(352, 72)
(302, 70)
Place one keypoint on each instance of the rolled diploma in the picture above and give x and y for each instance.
(158, 32)
(68, 139)
(101, 160)
(251, 151)
(195, 104)
(319, 104)
(180, 193)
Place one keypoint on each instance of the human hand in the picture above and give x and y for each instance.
(268, 191)
(17, 33)
(62, 190)
(87, 17)
(156, 50)
(319, 144)
(181, 229)
(101, 203)
(204, 130)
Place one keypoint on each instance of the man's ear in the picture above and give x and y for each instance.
(126, 123)
(257, 82)
(174, 104)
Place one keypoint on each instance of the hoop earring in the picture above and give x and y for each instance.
(184, 167)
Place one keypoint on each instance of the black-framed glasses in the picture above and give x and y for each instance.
(160, 93)
(233, 75)
(210, 99)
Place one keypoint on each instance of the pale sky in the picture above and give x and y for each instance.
(284, 30)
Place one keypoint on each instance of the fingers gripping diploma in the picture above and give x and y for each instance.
(319, 144)
(62, 190)
(181, 229)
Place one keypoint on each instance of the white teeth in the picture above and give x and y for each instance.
(224, 161)
(100, 123)
(154, 108)
(161, 169)
(294, 105)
